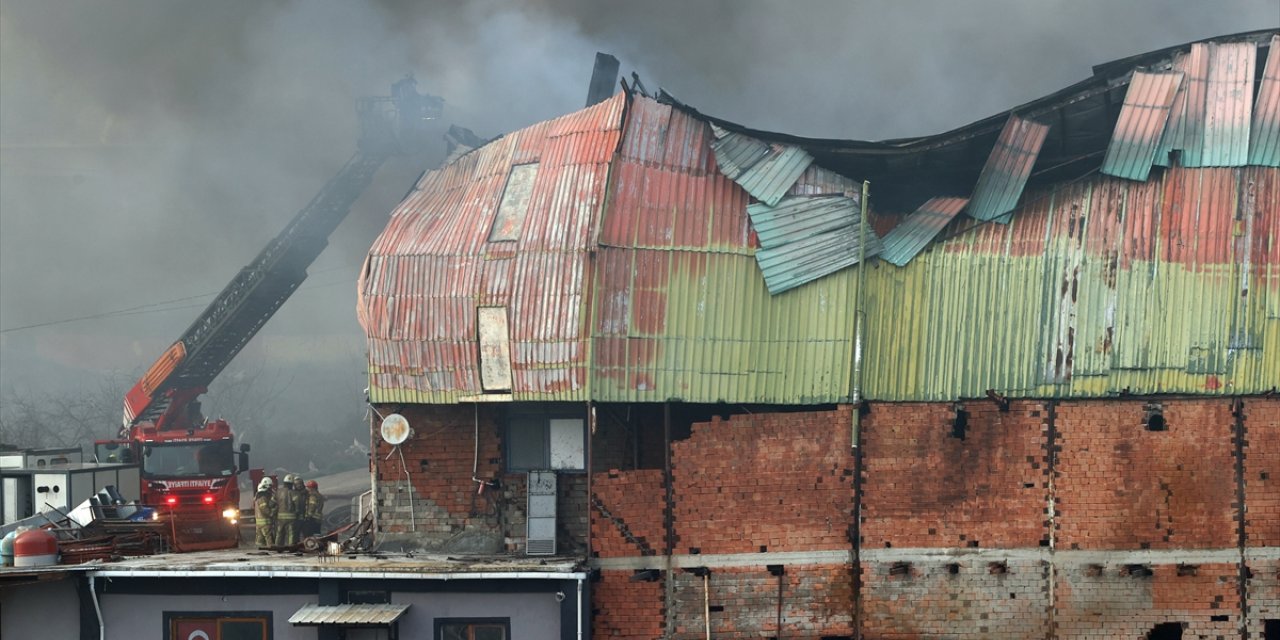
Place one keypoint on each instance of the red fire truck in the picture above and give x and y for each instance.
(190, 467)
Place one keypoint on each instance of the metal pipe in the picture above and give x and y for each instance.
(859, 319)
(579, 608)
(706, 602)
(97, 608)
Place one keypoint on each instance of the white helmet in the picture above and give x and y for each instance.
(265, 484)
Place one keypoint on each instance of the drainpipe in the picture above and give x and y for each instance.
(706, 601)
(97, 608)
(579, 608)
(858, 316)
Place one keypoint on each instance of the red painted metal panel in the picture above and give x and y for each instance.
(1141, 124)
(432, 266)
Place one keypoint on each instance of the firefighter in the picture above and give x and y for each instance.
(264, 511)
(299, 509)
(315, 508)
(287, 525)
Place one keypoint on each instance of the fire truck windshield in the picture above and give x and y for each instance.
(188, 459)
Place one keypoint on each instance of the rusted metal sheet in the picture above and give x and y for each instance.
(1005, 174)
(680, 309)
(348, 614)
(804, 238)
(433, 266)
(766, 171)
(1141, 124)
(1096, 288)
(1264, 134)
(915, 232)
(1184, 132)
(803, 261)
(1228, 105)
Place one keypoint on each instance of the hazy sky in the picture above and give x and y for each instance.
(149, 148)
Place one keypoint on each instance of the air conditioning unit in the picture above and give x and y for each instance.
(540, 537)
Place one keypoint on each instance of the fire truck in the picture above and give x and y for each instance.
(190, 467)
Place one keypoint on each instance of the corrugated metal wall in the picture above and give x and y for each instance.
(1098, 288)
(681, 308)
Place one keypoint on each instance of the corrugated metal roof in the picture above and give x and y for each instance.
(1141, 124)
(1007, 169)
(348, 614)
(1184, 132)
(766, 171)
(681, 310)
(915, 232)
(433, 266)
(1228, 105)
(1264, 140)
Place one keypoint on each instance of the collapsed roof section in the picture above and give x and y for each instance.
(638, 251)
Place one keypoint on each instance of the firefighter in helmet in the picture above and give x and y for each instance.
(264, 511)
(299, 509)
(287, 502)
(315, 509)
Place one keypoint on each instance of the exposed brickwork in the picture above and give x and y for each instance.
(626, 608)
(764, 482)
(1120, 486)
(628, 519)
(1113, 601)
(817, 601)
(439, 459)
(959, 599)
(1262, 471)
(924, 487)
(1264, 595)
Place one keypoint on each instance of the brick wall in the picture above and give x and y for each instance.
(764, 482)
(1262, 472)
(955, 598)
(1125, 601)
(1120, 486)
(627, 518)
(925, 487)
(446, 508)
(817, 600)
(626, 608)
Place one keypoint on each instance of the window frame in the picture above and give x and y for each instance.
(169, 618)
(543, 415)
(439, 623)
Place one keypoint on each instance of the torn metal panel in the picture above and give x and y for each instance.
(1264, 134)
(1184, 132)
(913, 234)
(1228, 105)
(1007, 169)
(797, 218)
(796, 263)
(766, 171)
(1141, 124)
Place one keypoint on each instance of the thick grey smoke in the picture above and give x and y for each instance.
(149, 148)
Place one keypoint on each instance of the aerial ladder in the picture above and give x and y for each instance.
(188, 466)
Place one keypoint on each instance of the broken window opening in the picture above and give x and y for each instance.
(953, 568)
(514, 206)
(900, 569)
(1154, 420)
(1271, 629)
(1166, 631)
(960, 424)
(1137, 571)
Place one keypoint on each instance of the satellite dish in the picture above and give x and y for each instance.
(395, 429)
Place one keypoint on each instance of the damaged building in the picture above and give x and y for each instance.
(1030, 393)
